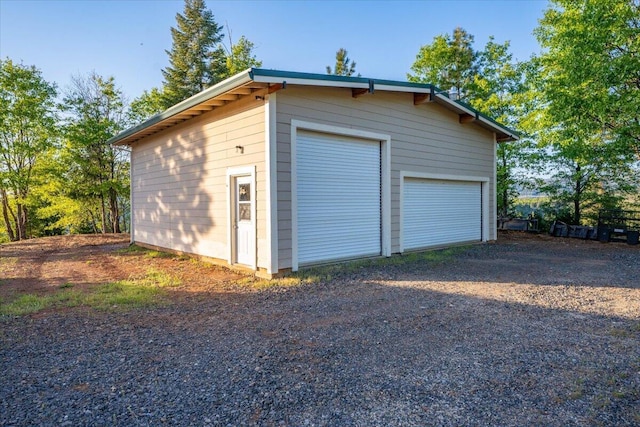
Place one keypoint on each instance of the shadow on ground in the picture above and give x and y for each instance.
(392, 345)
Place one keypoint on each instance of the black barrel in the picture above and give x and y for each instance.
(604, 234)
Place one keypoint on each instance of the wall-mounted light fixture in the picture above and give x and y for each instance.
(239, 149)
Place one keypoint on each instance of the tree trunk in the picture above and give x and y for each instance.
(5, 215)
(577, 196)
(21, 222)
(505, 206)
(114, 211)
(93, 221)
(113, 196)
(103, 212)
(505, 186)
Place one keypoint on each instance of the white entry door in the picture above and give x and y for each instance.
(244, 223)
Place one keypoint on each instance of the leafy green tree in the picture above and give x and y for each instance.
(449, 62)
(591, 67)
(590, 83)
(146, 105)
(343, 66)
(241, 57)
(60, 206)
(197, 59)
(492, 82)
(586, 176)
(502, 90)
(97, 171)
(27, 130)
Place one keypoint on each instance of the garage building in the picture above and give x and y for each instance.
(273, 171)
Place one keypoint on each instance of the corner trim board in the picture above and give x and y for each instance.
(271, 172)
(131, 200)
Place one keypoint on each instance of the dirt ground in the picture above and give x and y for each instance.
(41, 266)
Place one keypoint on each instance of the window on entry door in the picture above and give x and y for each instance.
(244, 202)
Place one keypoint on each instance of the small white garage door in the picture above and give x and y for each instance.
(440, 212)
(338, 197)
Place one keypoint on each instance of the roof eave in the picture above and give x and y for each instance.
(503, 133)
(199, 98)
(266, 77)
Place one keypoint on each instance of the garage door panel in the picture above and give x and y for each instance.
(441, 212)
(338, 197)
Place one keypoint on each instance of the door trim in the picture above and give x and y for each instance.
(385, 179)
(232, 174)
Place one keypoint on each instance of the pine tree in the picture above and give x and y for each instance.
(449, 63)
(241, 56)
(197, 59)
(342, 67)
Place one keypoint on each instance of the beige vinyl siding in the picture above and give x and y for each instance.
(179, 180)
(426, 139)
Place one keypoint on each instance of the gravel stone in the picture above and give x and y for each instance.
(528, 331)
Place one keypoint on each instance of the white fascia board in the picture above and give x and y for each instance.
(498, 128)
(393, 88)
(215, 90)
(310, 82)
(342, 84)
(455, 105)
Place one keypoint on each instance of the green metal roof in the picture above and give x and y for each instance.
(255, 78)
(256, 73)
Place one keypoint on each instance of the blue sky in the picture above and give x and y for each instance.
(127, 39)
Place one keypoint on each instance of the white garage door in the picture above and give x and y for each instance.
(440, 212)
(338, 197)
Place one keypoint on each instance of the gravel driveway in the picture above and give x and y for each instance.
(528, 331)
